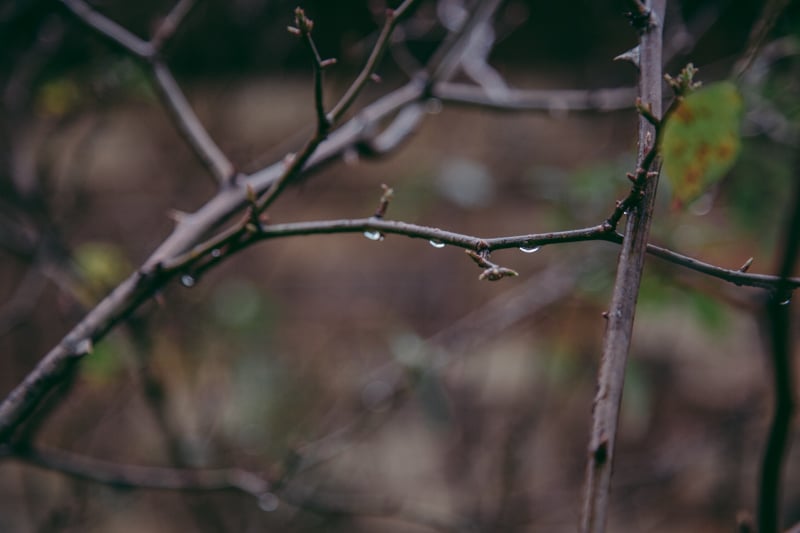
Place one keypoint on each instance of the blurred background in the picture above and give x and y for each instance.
(379, 386)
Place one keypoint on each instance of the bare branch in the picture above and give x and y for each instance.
(471, 242)
(778, 312)
(392, 18)
(142, 477)
(110, 29)
(616, 345)
(537, 99)
(190, 126)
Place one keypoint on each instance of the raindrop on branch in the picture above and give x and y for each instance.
(268, 502)
(188, 281)
(529, 249)
(216, 253)
(436, 244)
(373, 235)
(786, 301)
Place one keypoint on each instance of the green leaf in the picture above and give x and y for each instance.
(701, 140)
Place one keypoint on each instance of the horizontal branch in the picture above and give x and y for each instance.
(552, 100)
(439, 236)
(217, 480)
(143, 477)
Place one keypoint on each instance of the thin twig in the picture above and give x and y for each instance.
(189, 124)
(298, 161)
(471, 242)
(616, 343)
(347, 99)
(170, 24)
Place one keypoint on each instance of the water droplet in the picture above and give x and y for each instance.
(436, 244)
(529, 249)
(373, 235)
(786, 301)
(188, 281)
(433, 106)
(215, 253)
(268, 502)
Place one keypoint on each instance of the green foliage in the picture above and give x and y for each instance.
(701, 139)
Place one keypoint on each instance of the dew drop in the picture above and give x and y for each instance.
(373, 235)
(436, 244)
(433, 106)
(216, 253)
(268, 502)
(529, 250)
(188, 281)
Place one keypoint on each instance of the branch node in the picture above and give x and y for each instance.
(646, 111)
(383, 205)
(746, 266)
(640, 17)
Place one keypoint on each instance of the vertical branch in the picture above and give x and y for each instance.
(778, 314)
(649, 20)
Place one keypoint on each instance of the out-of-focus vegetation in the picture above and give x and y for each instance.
(387, 385)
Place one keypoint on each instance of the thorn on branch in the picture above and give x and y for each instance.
(746, 266)
(631, 56)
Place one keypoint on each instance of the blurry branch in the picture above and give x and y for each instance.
(141, 477)
(648, 20)
(536, 100)
(181, 111)
(170, 24)
(449, 57)
(378, 50)
(770, 14)
(191, 229)
(24, 300)
(206, 517)
(267, 494)
(777, 311)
